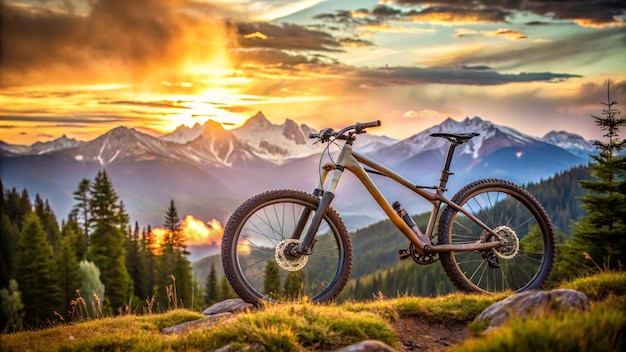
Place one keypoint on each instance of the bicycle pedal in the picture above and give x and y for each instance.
(404, 254)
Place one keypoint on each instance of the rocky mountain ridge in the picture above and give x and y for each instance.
(209, 170)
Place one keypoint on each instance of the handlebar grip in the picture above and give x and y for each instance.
(359, 127)
(370, 124)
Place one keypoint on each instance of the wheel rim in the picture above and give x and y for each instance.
(260, 265)
(520, 261)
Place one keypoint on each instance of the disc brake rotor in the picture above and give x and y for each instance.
(287, 261)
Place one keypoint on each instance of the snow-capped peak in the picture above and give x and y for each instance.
(571, 142)
(257, 122)
(184, 134)
(487, 131)
(276, 143)
(38, 148)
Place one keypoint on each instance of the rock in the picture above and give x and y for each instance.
(216, 314)
(196, 324)
(532, 303)
(367, 346)
(235, 305)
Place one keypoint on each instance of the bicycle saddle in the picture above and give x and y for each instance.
(457, 138)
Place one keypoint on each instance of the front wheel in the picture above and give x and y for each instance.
(524, 263)
(256, 250)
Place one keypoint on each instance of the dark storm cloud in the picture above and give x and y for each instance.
(480, 76)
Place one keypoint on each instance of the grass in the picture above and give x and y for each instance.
(308, 326)
(601, 328)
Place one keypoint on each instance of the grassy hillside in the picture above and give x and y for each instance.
(305, 326)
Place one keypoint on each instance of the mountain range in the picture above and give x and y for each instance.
(208, 170)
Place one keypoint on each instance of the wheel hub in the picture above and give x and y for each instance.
(284, 257)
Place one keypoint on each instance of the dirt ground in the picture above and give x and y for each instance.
(417, 335)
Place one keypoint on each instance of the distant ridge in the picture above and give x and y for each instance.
(209, 170)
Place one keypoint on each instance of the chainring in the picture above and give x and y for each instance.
(422, 259)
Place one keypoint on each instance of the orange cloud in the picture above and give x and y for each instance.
(194, 231)
(198, 232)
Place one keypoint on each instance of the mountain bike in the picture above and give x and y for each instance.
(286, 245)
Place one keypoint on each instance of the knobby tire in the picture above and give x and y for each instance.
(500, 205)
(256, 229)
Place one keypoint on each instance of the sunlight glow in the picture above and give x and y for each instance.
(195, 232)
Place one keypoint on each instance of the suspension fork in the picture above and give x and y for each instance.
(327, 197)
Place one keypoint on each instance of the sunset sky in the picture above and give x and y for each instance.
(83, 67)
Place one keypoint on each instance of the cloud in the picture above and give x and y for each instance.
(504, 33)
(589, 47)
(117, 40)
(69, 119)
(283, 36)
(584, 12)
(427, 13)
(466, 75)
(581, 12)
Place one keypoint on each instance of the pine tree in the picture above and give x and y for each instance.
(49, 222)
(271, 279)
(184, 280)
(173, 226)
(82, 211)
(36, 273)
(149, 242)
(17, 206)
(67, 267)
(72, 229)
(11, 306)
(9, 238)
(107, 240)
(294, 284)
(173, 260)
(600, 235)
(136, 264)
(226, 291)
(210, 287)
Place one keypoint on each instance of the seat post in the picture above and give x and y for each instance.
(445, 172)
(455, 140)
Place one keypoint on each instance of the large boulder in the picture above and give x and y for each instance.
(533, 303)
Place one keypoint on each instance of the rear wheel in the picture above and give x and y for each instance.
(256, 250)
(524, 263)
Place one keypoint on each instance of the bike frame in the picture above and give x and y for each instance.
(353, 162)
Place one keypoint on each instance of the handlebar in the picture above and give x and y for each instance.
(325, 134)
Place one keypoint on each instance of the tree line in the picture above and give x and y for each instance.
(94, 263)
